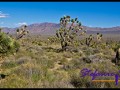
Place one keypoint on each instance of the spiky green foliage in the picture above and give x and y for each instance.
(7, 44)
(68, 31)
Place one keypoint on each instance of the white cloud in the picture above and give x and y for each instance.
(2, 15)
(90, 26)
(21, 23)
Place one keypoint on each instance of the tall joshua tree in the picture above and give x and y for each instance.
(21, 32)
(68, 31)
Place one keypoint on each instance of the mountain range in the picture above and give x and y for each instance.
(50, 29)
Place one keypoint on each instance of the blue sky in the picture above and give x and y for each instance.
(94, 14)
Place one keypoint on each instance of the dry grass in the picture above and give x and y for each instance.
(40, 65)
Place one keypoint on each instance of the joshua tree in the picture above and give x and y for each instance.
(99, 37)
(89, 40)
(68, 31)
(21, 32)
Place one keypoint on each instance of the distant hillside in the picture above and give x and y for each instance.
(50, 29)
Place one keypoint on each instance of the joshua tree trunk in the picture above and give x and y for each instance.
(64, 45)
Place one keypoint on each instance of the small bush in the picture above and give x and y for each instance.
(7, 44)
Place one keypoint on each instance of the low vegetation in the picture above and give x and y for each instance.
(36, 62)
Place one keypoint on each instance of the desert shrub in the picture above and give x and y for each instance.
(8, 64)
(116, 47)
(7, 44)
(14, 82)
(37, 42)
(53, 39)
(80, 82)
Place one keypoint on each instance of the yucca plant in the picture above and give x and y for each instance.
(68, 31)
